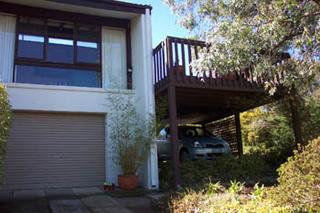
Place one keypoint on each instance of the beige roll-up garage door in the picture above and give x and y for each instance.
(55, 150)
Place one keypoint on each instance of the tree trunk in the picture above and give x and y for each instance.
(296, 118)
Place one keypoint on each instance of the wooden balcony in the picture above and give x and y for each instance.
(201, 97)
(172, 60)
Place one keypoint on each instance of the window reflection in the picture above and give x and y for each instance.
(30, 46)
(60, 52)
(60, 43)
(57, 76)
(88, 52)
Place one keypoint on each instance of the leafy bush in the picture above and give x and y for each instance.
(311, 119)
(298, 190)
(299, 179)
(224, 201)
(235, 187)
(247, 168)
(214, 188)
(4, 124)
(268, 134)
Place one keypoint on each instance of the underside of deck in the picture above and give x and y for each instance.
(200, 97)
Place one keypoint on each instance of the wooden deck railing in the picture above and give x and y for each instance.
(172, 59)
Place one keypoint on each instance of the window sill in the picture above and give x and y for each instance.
(67, 88)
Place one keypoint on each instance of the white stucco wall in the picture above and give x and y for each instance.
(31, 97)
(142, 84)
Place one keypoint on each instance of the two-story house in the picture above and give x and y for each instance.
(60, 61)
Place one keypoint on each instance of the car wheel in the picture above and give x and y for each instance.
(184, 155)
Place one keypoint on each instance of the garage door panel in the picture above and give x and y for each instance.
(55, 150)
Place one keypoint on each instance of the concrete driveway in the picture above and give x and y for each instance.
(73, 200)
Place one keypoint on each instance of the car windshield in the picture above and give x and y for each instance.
(192, 132)
(185, 132)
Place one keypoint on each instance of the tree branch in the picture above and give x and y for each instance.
(317, 2)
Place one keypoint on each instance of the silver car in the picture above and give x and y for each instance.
(194, 143)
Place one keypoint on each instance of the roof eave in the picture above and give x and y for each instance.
(108, 5)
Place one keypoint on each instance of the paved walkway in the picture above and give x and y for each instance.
(73, 200)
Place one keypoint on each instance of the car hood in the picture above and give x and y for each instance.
(210, 140)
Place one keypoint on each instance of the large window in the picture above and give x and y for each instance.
(54, 52)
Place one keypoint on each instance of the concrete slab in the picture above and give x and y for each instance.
(36, 206)
(136, 204)
(67, 206)
(59, 192)
(6, 196)
(157, 196)
(87, 191)
(28, 194)
(111, 210)
(99, 201)
(134, 201)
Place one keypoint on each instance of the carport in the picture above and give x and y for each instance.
(201, 98)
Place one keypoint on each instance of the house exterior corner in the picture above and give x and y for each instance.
(60, 63)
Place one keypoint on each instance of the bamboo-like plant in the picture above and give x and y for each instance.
(131, 133)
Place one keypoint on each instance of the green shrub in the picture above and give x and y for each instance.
(214, 188)
(311, 119)
(165, 174)
(274, 139)
(4, 125)
(194, 201)
(247, 168)
(259, 192)
(235, 187)
(298, 190)
(299, 179)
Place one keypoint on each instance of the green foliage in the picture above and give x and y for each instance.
(251, 34)
(247, 168)
(5, 117)
(274, 138)
(235, 187)
(311, 118)
(259, 192)
(299, 179)
(223, 201)
(131, 133)
(269, 133)
(161, 111)
(214, 188)
(249, 122)
(298, 190)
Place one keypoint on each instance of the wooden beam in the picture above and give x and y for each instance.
(174, 135)
(238, 131)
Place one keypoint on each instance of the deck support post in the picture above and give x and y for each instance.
(238, 132)
(174, 134)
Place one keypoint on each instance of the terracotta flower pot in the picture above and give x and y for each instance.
(128, 182)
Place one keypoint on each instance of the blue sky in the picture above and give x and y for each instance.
(163, 21)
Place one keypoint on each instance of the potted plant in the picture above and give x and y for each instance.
(132, 136)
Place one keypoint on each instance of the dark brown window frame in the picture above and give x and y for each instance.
(43, 62)
(94, 67)
(36, 12)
